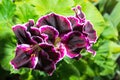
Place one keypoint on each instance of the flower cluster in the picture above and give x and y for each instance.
(42, 45)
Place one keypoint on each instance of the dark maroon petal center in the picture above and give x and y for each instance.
(61, 23)
(74, 43)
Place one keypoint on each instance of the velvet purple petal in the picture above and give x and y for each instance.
(79, 14)
(23, 36)
(91, 33)
(61, 23)
(74, 43)
(76, 25)
(23, 58)
(34, 31)
(47, 58)
(37, 39)
(62, 50)
(51, 51)
(30, 23)
(45, 64)
(51, 32)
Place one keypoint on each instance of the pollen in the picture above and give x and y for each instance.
(33, 55)
(57, 40)
(27, 49)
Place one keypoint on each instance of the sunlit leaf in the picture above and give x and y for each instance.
(115, 16)
(110, 31)
(7, 9)
(68, 70)
(8, 54)
(25, 12)
(58, 6)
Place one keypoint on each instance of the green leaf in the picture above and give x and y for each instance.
(81, 65)
(7, 48)
(105, 59)
(114, 47)
(66, 70)
(58, 6)
(25, 12)
(110, 31)
(73, 78)
(90, 71)
(102, 5)
(109, 47)
(92, 14)
(7, 9)
(27, 76)
(8, 56)
(107, 70)
(106, 6)
(115, 16)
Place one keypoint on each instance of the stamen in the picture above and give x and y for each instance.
(27, 49)
(33, 55)
(57, 40)
(36, 48)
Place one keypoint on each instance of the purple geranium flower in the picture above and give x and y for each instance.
(74, 33)
(42, 45)
(32, 50)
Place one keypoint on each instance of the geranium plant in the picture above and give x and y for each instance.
(42, 45)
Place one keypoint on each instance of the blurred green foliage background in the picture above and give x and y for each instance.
(105, 16)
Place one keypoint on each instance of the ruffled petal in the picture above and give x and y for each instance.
(45, 64)
(76, 25)
(61, 23)
(37, 39)
(79, 14)
(47, 58)
(51, 51)
(51, 32)
(30, 23)
(91, 33)
(62, 50)
(23, 57)
(74, 43)
(34, 31)
(23, 36)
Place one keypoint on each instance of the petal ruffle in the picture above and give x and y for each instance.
(61, 23)
(62, 50)
(23, 58)
(45, 64)
(30, 23)
(23, 36)
(91, 33)
(79, 14)
(37, 39)
(51, 32)
(36, 32)
(74, 43)
(76, 25)
(51, 51)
